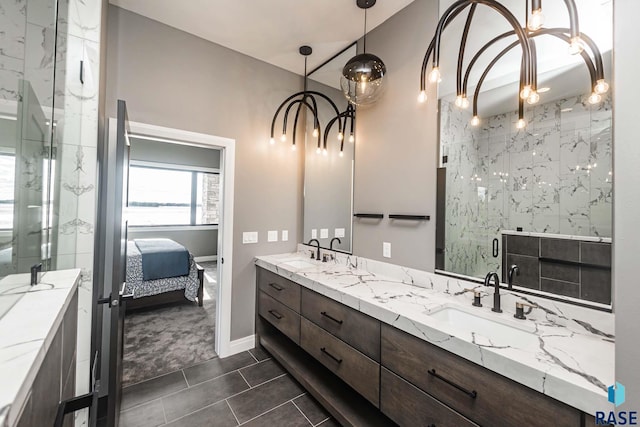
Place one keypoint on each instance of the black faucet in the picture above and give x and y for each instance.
(496, 293)
(318, 252)
(331, 244)
(513, 269)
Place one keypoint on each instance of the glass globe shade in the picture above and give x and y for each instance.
(362, 79)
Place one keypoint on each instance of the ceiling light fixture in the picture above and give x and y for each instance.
(306, 98)
(362, 79)
(579, 43)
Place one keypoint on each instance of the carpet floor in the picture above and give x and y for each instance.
(165, 339)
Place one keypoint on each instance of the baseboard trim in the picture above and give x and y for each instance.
(240, 345)
(205, 258)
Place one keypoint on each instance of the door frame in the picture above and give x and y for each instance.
(227, 147)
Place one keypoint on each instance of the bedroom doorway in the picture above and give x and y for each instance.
(181, 190)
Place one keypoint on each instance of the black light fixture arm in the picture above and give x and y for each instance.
(503, 11)
(574, 25)
(348, 114)
(463, 45)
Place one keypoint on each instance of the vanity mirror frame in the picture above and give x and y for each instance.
(577, 238)
(314, 174)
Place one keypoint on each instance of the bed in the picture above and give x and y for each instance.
(161, 271)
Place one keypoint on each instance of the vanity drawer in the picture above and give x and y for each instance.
(407, 405)
(283, 318)
(497, 401)
(284, 290)
(356, 329)
(356, 369)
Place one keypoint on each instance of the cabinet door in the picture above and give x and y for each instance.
(356, 329)
(409, 406)
(279, 315)
(479, 394)
(283, 290)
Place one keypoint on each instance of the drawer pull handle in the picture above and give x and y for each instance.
(472, 394)
(276, 287)
(275, 314)
(330, 317)
(324, 350)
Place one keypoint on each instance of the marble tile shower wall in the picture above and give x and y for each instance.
(554, 176)
(28, 50)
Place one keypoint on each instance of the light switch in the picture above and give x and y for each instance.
(324, 233)
(250, 237)
(386, 249)
(314, 233)
(272, 236)
(339, 232)
(285, 235)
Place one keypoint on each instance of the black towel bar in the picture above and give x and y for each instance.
(368, 215)
(410, 217)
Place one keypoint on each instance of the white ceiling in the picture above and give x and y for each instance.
(272, 30)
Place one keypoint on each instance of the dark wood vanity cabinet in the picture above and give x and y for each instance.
(403, 379)
(56, 378)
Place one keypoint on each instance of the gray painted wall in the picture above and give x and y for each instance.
(396, 147)
(174, 79)
(626, 201)
(165, 152)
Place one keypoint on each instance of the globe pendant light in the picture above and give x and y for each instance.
(362, 79)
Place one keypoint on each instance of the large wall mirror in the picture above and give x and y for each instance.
(538, 197)
(328, 175)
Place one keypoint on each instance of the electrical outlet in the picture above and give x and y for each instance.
(339, 232)
(285, 235)
(386, 249)
(272, 236)
(314, 233)
(250, 237)
(324, 233)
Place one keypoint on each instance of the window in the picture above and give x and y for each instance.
(7, 181)
(165, 196)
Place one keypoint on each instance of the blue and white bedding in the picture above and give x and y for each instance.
(138, 287)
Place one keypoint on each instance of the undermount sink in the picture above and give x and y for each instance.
(297, 263)
(488, 329)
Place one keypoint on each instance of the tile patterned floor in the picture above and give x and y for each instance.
(248, 389)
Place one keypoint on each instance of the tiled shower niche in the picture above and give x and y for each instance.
(554, 176)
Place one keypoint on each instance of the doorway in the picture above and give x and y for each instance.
(218, 269)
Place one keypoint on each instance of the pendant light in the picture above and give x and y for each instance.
(362, 79)
(309, 100)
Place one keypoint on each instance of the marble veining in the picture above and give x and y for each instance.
(27, 328)
(569, 354)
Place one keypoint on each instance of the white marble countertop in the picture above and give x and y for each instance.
(27, 328)
(568, 353)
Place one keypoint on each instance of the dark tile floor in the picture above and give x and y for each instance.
(248, 389)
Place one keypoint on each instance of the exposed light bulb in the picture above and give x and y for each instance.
(594, 98)
(536, 20)
(434, 75)
(352, 138)
(283, 138)
(576, 46)
(341, 154)
(525, 92)
(462, 101)
(318, 150)
(315, 132)
(601, 87)
(475, 121)
(324, 152)
(521, 124)
(422, 96)
(272, 141)
(293, 147)
(533, 98)
(340, 136)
